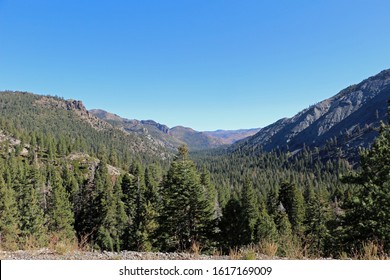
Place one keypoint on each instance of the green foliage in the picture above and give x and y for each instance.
(9, 217)
(367, 209)
(250, 212)
(32, 219)
(61, 216)
(292, 200)
(318, 216)
(185, 214)
(231, 225)
(265, 230)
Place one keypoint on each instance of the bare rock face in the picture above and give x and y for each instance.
(348, 118)
(76, 105)
(159, 126)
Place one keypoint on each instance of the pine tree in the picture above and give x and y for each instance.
(32, 220)
(111, 229)
(318, 215)
(135, 192)
(210, 192)
(367, 212)
(272, 202)
(250, 212)
(231, 225)
(92, 216)
(286, 238)
(265, 229)
(71, 185)
(185, 215)
(104, 202)
(292, 200)
(61, 216)
(9, 217)
(120, 216)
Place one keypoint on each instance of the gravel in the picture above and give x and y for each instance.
(47, 254)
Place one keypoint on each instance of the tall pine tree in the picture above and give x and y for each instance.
(367, 211)
(185, 214)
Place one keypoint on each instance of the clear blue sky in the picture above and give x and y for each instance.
(206, 64)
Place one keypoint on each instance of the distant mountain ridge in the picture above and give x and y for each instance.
(170, 138)
(348, 120)
(231, 136)
(175, 136)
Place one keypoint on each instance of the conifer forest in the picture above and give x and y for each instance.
(67, 176)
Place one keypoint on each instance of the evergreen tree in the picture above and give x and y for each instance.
(231, 225)
(105, 202)
(318, 215)
(286, 237)
(71, 184)
(135, 191)
(9, 217)
(185, 215)
(32, 220)
(265, 228)
(210, 192)
(120, 216)
(272, 202)
(367, 212)
(250, 212)
(153, 178)
(292, 200)
(91, 219)
(61, 216)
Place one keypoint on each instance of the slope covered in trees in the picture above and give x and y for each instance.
(70, 127)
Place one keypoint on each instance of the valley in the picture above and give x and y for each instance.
(314, 185)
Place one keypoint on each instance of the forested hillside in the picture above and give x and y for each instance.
(69, 125)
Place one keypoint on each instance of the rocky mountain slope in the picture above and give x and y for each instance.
(346, 121)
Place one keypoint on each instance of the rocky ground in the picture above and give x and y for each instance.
(47, 254)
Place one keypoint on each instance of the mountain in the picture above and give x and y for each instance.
(231, 136)
(170, 138)
(346, 121)
(23, 113)
(194, 139)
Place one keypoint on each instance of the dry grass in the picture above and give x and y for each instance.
(196, 249)
(243, 253)
(234, 254)
(62, 246)
(268, 248)
(217, 253)
(371, 251)
(30, 243)
(9, 246)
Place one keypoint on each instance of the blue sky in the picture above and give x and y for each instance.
(205, 64)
